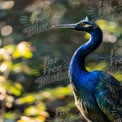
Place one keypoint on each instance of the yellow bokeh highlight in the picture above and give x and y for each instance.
(23, 50)
(101, 24)
(87, 36)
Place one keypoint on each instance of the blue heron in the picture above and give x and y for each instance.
(97, 94)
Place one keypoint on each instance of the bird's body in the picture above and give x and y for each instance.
(98, 99)
(97, 94)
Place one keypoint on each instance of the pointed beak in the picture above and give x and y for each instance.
(72, 26)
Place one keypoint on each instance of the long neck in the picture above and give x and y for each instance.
(78, 59)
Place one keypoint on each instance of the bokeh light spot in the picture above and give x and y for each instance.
(3, 67)
(8, 4)
(6, 30)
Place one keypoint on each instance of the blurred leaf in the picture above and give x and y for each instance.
(94, 66)
(31, 111)
(5, 65)
(17, 67)
(60, 92)
(36, 110)
(23, 50)
(102, 24)
(87, 36)
(27, 99)
(10, 48)
(118, 76)
(9, 115)
(14, 88)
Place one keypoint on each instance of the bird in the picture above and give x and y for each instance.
(97, 94)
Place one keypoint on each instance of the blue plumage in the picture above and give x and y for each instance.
(97, 94)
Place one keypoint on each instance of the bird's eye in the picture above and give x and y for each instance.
(83, 24)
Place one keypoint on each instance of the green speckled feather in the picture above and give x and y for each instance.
(109, 96)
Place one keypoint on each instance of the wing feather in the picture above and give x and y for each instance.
(109, 96)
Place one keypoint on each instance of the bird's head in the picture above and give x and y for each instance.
(83, 25)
